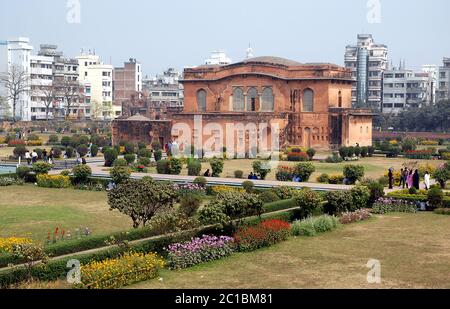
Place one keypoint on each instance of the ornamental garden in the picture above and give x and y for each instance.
(127, 229)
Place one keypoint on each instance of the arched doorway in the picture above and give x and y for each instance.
(307, 137)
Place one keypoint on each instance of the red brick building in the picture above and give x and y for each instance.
(127, 82)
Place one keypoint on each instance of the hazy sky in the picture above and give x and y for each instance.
(181, 33)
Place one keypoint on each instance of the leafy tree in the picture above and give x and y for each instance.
(216, 166)
(110, 155)
(120, 174)
(338, 202)
(42, 168)
(304, 170)
(81, 173)
(353, 173)
(311, 153)
(261, 168)
(142, 199)
(308, 201)
(194, 167)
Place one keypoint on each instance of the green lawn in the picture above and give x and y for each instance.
(414, 251)
(33, 212)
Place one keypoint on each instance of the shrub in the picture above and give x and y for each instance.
(308, 201)
(442, 211)
(248, 186)
(65, 141)
(57, 153)
(393, 152)
(284, 193)
(53, 181)
(338, 202)
(120, 174)
(14, 143)
(371, 151)
(297, 157)
(81, 173)
(201, 181)
(33, 137)
(156, 145)
(144, 153)
(190, 203)
(356, 216)
(141, 199)
(312, 226)
(268, 196)
(216, 167)
(110, 155)
(194, 167)
(376, 192)
(23, 171)
(199, 250)
(238, 174)
(285, 173)
(336, 180)
(343, 152)
(357, 150)
(19, 151)
(353, 173)
(360, 197)
(7, 244)
(311, 153)
(335, 158)
(142, 145)
(171, 220)
(129, 148)
(435, 198)
(324, 178)
(69, 152)
(158, 155)
(130, 158)
(412, 191)
(120, 162)
(9, 181)
(408, 144)
(144, 161)
(304, 171)
(175, 166)
(53, 139)
(42, 168)
(82, 150)
(261, 168)
(387, 205)
(122, 271)
(442, 174)
(364, 152)
(419, 154)
(230, 208)
(265, 234)
(94, 150)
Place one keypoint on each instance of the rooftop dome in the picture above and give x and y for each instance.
(272, 60)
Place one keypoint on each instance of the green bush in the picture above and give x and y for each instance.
(360, 197)
(376, 191)
(216, 166)
(357, 151)
(53, 139)
(190, 203)
(69, 152)
(442, 211)
(175, 166)
(336, 180)
(201, 181)
(94, 150)
(156, 145)
(42, 168)
(335, 158)
(338, 202)
(53, 181)
(268, 196)
(364, 152)
(314, 225)
(308, 201)
(238, 174)
(343, 152)
(324, 178)
(279, 205)
(285, 193)
(409, 144)
(311, 153)
(435, 198)
(144, 161)
(120, 174)
(163, 167)
(130, 158)
(304, 171)
(144, 153)
(158, 155)
(142, 145)
(81, 173)
(353, 173)
(371, 151)
(82, 150)
(248, 186)
(194, 167)
(120, 162)
(23, 172)
(19, 151)
(110, 155)
(129, 148)
(57, 153)
(65, 141)
(261, 168)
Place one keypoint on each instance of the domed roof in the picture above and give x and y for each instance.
(272, 60)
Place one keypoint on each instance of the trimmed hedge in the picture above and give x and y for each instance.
(418, 198)
(279, 205)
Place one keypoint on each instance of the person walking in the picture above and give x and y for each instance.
(28, 157)
(34, 156)
(416, 180)
(410, 179)
(45, 155)
(404, 177)
(391, 178)
(50, 156)
(427, 178)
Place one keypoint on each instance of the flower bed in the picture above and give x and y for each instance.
(125, 270)
(53, 181)
(356, 216)
(297, 157)
(226, 189)
(419, 154)
(184, 189)
(265, 234)
(18, 142)
(387, 205)
(7, 244)
(199, 250)
(314, 225)
(10, 181)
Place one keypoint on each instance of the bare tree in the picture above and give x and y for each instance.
(16, 82)
(50, 95)
(70, 91)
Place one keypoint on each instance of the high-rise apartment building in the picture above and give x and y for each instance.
(367, 61)
(127, 82)
(443, 92)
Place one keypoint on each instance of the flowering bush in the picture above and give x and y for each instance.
(265, 234)
(185, 189)
(123, 271)
(199, 250)
(356, 216)
(53, 181)
(7, 244)
(429, 143)
(285, 173)
(386, 205)
(226, 189)
(14, 143)
(8, 181)
(38, 142)
(298, 157)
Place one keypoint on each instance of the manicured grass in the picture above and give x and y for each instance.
(413, 250)
(33, 212)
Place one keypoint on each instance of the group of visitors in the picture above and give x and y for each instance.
(252, 176)
(33, 157)
(409, 178)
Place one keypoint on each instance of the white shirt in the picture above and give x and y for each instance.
(27, 155)
(427, 179)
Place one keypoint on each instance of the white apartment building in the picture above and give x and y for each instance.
(404, 89)
(367, 61)
(41, 82)
(218, 58)
(98, 81)
(443, 92)
(165, 90)
(4, 109)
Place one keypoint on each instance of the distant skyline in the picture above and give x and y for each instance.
(179, 33)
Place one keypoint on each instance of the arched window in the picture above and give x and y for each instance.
(238, 99)
(201, 100)
(308, 101)
(252, 97)
(267, 104)
(340, 99)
